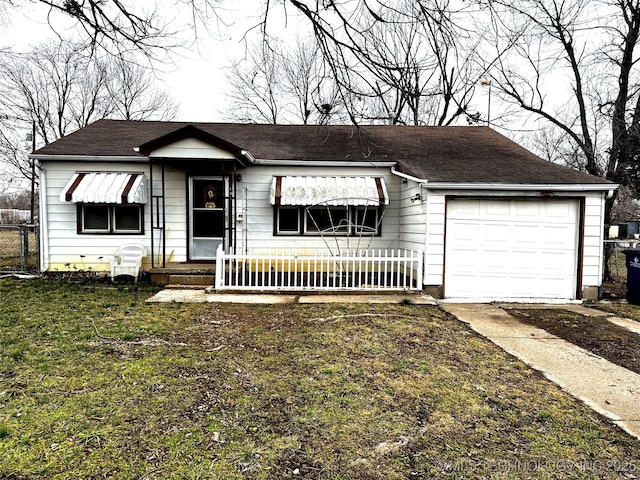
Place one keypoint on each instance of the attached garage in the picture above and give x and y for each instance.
(510, 249)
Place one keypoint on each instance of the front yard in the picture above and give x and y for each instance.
(96, 383)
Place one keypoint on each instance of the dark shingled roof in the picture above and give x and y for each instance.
(436, 154)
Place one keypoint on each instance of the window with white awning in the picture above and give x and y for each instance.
(319, 205)
(335, 191)
(105, 187)
(107, 202)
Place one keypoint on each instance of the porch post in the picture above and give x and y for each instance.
(220, 267)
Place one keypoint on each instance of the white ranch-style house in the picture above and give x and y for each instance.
(456, 212)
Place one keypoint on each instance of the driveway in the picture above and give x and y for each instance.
(609, 389)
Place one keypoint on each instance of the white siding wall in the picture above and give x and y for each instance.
(412, 215)
(414, 219)
(253, 193)
(65, 249)
(593, 240)
(434, 257)
(175, 191)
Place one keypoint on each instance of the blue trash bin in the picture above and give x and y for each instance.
(633, 275)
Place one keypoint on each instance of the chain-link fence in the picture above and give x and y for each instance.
(615, 283)
(19, 248)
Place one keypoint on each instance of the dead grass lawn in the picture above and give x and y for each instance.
(96, 383)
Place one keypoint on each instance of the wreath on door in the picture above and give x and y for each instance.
(210, 196)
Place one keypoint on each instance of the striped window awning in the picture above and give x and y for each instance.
(105, 187)
(338, 191)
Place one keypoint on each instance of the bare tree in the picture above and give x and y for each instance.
(314, 97)
(60, 87)
(255, 87)
(594, 45)
(112, 23)
(57, 86)
(133, 94)
(275, 84)
(400, 61)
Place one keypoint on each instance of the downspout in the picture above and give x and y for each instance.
(151, 213)
(426, 237)
(44, 232)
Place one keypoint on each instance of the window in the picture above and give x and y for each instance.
(95, 218)
(366, 221)
(326, 220)
(288, 220)
(110, 219)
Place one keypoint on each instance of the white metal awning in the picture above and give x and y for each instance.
(339, 191)
(105, 187)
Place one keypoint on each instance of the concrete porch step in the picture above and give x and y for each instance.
(190, 280)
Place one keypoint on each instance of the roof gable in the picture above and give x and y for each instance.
(191, 148)
(177, 143)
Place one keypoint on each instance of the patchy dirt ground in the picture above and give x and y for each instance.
(595, 334)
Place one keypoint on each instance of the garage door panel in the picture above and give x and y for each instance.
(511, 248)
(522, 261)
(560, 262)
(559, 211)
(495, 232)
(467, 208)
(526, 234)
(497, 210)
(527, 209)
(562, 235)
(465, 232)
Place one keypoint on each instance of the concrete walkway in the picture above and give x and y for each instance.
(202, 296)
(607, 388)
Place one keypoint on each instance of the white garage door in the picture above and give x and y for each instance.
(511, 249)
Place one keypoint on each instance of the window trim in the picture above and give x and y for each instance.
(111, 219)
(130, 231)
(276, 221)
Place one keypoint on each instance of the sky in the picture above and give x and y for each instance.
(194, 77)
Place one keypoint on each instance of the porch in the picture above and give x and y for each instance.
(299, 270)
(184, 274)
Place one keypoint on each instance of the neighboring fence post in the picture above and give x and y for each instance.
(24, 233)
(15, 245)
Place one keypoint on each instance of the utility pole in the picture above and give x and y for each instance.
(33, 171)
(484, 82)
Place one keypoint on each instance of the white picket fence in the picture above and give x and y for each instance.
(322, 270)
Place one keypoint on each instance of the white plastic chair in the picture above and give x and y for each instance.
(127, 261)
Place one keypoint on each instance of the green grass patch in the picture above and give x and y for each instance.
(97, 383)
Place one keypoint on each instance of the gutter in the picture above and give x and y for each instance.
(84, 158)
(610, 188)
(528, 187)
(322, 163)
(246, 154)
(552, 187)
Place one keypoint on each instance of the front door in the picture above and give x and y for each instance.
(208, 215)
